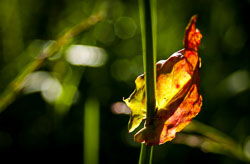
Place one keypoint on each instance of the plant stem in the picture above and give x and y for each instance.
(148, 32)
(148, 55)
(146, 154)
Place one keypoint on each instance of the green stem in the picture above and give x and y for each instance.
(146, 154)
(148, 55)
(148, 32)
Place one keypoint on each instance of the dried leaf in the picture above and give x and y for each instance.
(178, 99)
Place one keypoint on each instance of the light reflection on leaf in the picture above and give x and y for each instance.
(178, 99)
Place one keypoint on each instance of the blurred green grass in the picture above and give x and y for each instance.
(32, 125)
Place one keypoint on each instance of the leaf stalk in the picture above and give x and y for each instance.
(148, 32)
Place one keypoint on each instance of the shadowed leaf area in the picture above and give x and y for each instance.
(178, 99)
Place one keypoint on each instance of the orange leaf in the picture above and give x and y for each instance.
(178, 99)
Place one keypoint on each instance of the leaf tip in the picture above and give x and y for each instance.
(192, 35)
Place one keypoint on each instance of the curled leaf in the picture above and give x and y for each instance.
(178, 99)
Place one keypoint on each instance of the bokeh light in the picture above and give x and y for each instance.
(86, 56)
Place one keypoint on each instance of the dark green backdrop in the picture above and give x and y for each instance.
(33, 131)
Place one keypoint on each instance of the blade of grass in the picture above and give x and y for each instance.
(10, 93)
(70, 87)
(91, 131)
(212, 140)
(148, 32)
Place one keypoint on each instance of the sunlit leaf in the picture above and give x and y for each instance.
(178, 99)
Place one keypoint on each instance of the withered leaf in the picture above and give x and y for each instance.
(178, 98)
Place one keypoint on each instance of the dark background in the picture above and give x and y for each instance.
(33, 131)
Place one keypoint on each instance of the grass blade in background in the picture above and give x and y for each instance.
(210, 139)
(70, 88)
(10, 93)
(91, 119)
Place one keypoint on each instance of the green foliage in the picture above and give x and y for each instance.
(30, 124)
